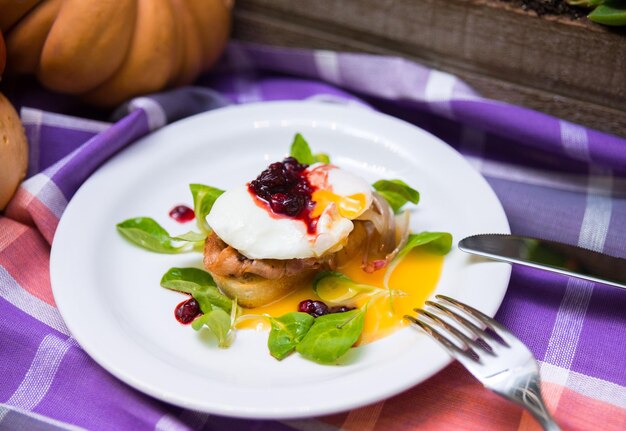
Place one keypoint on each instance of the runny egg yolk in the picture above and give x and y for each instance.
(349, 207)
(415, 276)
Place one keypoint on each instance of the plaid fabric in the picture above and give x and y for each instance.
(556, 180)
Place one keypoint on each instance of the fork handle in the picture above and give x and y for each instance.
(539, 413)
(546, 421)
(529, 397)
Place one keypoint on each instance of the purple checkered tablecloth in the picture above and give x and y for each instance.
(555, 179)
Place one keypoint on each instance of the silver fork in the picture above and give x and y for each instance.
(490, 352)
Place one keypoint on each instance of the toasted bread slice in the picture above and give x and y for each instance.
(253, 291)
(255, 282)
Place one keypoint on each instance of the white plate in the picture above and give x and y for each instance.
(108, 290)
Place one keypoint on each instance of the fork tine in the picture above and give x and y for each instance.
(454, 331)
(477, 331)
(452, 348)
(490, 323)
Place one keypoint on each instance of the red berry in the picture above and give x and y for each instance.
(314, 308)
(187, 311)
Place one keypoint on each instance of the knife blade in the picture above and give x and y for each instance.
(549, 255)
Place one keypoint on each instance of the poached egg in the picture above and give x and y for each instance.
(247, 223)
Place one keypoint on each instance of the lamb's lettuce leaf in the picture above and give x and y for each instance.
(434, 242)
(190, 236)
(336, 288)
(219, 322)
(203, 199)
(286, 332)
(146, 233)
(200, 285)
(301, 151)
(331, 336)
(396, 192)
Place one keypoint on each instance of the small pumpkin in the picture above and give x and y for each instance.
(13, 151)
(108, 51)
(3, 56)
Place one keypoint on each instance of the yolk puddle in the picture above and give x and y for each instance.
(416, 276)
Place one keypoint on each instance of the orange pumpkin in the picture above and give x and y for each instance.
(3, 56)
(108, 51)
(13, 151)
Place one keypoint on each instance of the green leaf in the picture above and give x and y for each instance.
(287, 331)
(322, 158)
(235, 312)
(218, 321)
(435, 242)
(331, 336)
(335, 287)
(147, 233)
(191, 236)
(396, 192)
(203, 199)
(611, 13)
(301, 151)
(199, 284)
(186, 279)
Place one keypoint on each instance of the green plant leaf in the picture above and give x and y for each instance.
(148, 234)
(335, 287)
(199, 284)
(218, 321)
(396, 192)
(186, 279)
(321, 158)
(203, 199)
(434, 242)
(331, 336)
(611, 12)
(287, 331)
(190, 236)
(301, 151)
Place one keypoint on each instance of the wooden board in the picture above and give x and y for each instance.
(573, 70)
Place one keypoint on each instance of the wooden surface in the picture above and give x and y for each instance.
(572, 70)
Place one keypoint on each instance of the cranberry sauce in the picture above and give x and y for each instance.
(314, 308)
(284, 187)
(187, 310)
(319, 308)
(182, 214)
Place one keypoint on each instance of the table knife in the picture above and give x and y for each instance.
(549, 255)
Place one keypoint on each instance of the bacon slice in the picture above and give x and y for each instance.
(223, 260)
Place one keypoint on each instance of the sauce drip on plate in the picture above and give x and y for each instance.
(416, 275)
(182, 214)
